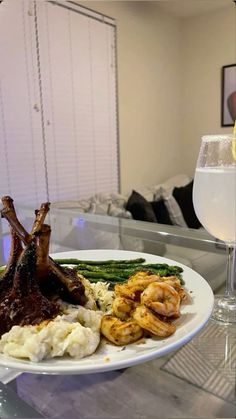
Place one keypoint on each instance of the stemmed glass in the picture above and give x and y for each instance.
(214, 199)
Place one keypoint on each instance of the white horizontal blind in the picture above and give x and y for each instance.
(22, 170)
(77, 56)
(58, 125)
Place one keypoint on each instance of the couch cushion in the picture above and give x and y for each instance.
(183, 195)
(116, 211)
(99, 208)
(161, 212)
(140, 208)
(118, 200)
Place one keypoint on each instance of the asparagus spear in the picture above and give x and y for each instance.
(114, 276)
(103, 275)
(120, 270)
(73, 261)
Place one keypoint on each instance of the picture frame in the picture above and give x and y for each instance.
(228, 95)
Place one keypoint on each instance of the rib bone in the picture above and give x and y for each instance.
(45, 265)
(8, 212)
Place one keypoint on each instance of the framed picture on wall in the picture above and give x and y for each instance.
(228, 98)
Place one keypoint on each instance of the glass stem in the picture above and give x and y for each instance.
(231, 271)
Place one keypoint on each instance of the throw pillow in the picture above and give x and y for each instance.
(140, 208)
(174, 210)
(169, 185)
(161, 212)
(183, 196)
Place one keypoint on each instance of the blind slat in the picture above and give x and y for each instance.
(23, 175)
(58, 127)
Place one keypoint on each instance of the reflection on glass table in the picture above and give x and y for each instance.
(197, 380)
(72, 231)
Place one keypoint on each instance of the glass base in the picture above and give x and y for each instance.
(224, 310)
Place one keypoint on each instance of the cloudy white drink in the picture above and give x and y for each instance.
(214, 196)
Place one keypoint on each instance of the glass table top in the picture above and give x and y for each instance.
(71, 230)
(198, 380)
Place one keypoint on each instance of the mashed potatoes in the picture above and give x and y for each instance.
(75, 333)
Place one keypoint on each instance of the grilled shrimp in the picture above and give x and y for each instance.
(128, 291)
(174, 281)
(143, 278)
(162, 298)
(150, 322)
(122, 307)
(135, 285)
(120, 332)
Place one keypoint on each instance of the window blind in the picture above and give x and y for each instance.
(22, 172)
(61, 143)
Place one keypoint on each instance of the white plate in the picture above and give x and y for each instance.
(109, 357)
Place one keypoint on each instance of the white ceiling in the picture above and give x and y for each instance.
(188, 8)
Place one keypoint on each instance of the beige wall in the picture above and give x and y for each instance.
(209, 42)
(148, 44)
(168, 86)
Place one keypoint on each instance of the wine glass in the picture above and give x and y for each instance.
(214, 199)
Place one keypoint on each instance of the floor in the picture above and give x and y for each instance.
(208, 361)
